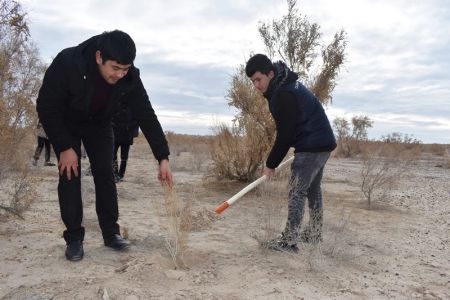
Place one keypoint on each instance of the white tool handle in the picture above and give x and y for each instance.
(248, 188)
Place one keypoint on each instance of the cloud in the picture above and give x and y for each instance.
(398, 61)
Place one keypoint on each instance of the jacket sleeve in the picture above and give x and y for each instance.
(286, 113)
(49, 105)
(148, 122)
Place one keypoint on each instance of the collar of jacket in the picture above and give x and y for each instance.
(282, 76)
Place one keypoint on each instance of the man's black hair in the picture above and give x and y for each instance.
(258, 62)
(118, 46)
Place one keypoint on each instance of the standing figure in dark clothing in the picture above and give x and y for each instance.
(125, 130)
(79, 93)
(301, 123)
(42, 141)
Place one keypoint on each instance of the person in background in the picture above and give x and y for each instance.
(301, 123)
(42, 141)
(125, 130)
(80, 91)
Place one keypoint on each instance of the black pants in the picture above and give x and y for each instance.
(41, 143)
(124, 151)
(99, 143)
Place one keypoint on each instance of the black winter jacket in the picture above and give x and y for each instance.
(64, 100)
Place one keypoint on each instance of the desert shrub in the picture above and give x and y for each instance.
(297, 41)
(350, 138)
(238, 150)
(436, 149)
(382, 168)
(397, 137)
(20, 76)
(19, 187)
(404, 144)
(189, 152)
(179, 143)
(236, 156)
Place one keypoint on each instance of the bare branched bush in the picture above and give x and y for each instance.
(19, 194)
(175, 221)
(20, 76)
(382, 168)
(238, 151)
(296, 40)
(351, 137)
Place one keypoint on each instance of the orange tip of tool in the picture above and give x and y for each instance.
(219, 209)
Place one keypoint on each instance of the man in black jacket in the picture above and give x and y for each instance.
(79, 94)
(125, 130)
(301, 123)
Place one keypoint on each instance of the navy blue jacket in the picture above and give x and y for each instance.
(301, 121)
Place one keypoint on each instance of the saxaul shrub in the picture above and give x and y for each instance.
(383, 166)
(21, 71)
(238, 150)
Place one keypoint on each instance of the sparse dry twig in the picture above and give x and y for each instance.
(381, 169)
(177, 226)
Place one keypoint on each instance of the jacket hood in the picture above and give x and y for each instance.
(283, 75)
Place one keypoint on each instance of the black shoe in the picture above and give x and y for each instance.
(74, 251)
(117, 242)
(279, 244)
(50, 164)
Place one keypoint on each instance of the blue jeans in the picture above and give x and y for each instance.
(306, 176)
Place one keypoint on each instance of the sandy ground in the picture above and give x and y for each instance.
(399, 249)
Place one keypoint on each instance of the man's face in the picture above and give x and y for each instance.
(261, 81)
(110, 70)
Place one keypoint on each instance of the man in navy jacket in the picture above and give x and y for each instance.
(301, 123)
(79, 94)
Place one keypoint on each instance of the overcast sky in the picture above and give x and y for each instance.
(397, 70)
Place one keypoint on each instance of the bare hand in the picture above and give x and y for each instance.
(165, 175)
(68, 161)
(268, 172)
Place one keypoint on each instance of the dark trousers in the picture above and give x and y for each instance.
(124, 151)
(42, 142)
(305, 184)
(99, 143)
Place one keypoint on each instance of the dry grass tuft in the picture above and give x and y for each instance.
(175, 221)
(271, 212)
